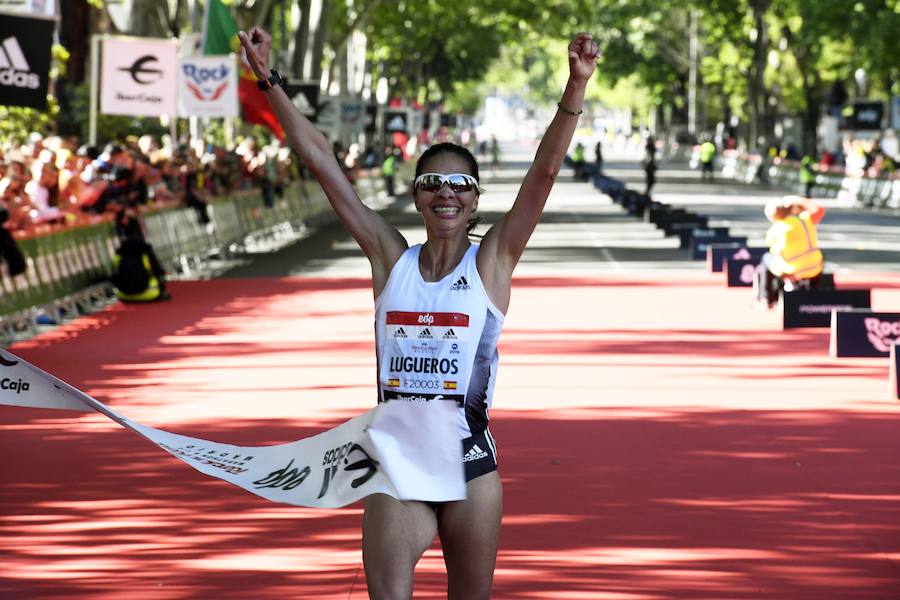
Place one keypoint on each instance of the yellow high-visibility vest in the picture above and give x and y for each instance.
(794, 239)
(153, 290)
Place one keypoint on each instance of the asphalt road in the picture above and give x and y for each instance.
(582, 231)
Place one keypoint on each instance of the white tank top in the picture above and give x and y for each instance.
(438, 340)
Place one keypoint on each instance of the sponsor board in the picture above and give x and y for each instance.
(814, 308)
(699, 246)
(863, 333)
(670, 223)
(895, 371)
(700, 233)
(396, 120)
(740, 272)
(208, 87)
(717, 254)
(305, 96)
(139, 77)
(25, 43)
(408, 450)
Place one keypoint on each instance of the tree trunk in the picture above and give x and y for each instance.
(757, 82)
(319, 37)
(75, 36)
(301, 42)
(149, 18)
(811, 114)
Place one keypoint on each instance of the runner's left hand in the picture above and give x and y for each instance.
(583, 55)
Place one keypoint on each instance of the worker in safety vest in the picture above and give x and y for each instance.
(388, 170)
(707, 157)
(794, 255)
(807, 175)
(578, 161)
(137, 274)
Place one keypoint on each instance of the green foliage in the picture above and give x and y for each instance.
(462, 50)
(17, 122)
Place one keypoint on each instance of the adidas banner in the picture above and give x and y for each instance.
(139, 77)
(305, 96)
(408, 450)
(208, 87)
(396, 120)
(25, 60)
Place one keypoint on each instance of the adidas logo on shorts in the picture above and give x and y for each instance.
(461, 284)
(474, 453)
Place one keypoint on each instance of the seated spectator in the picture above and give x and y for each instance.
(14, 199)
(794, 255)
(43, 192)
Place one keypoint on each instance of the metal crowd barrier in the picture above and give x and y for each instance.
(869, 192)
(69, 270)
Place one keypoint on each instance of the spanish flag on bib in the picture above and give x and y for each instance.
(220, 37)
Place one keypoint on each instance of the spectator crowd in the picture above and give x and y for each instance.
(55, 182)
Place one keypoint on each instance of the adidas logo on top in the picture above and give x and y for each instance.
(400, 333)
(474, 453)
(14, 69)
(461, 284)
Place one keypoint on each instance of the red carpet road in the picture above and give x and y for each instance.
(659, 441)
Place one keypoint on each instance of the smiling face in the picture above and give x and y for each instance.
(445, 212)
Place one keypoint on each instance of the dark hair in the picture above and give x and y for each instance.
(448, 148)
(460, 152)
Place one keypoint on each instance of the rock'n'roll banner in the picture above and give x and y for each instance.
(408, 450)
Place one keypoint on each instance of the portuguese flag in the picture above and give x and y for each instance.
(220, 37)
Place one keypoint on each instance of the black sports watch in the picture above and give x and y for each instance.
(272, 81)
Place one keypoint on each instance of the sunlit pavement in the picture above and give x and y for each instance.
(658, 439)
(583, 232)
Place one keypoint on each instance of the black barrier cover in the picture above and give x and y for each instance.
(635, 203)
(662, 212)
(740, 272)
(700, 233)
(813, 308)
(607, 184)
(25, 60)
(665, 222)
(717, 253)
(864, 333)
(895, 371)
(826, 281)
(698, 247)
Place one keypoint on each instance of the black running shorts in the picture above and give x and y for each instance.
(479, 454)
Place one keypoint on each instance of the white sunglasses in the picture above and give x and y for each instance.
(458, 182)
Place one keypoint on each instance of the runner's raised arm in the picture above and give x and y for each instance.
(381, 242)
(504, 243)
